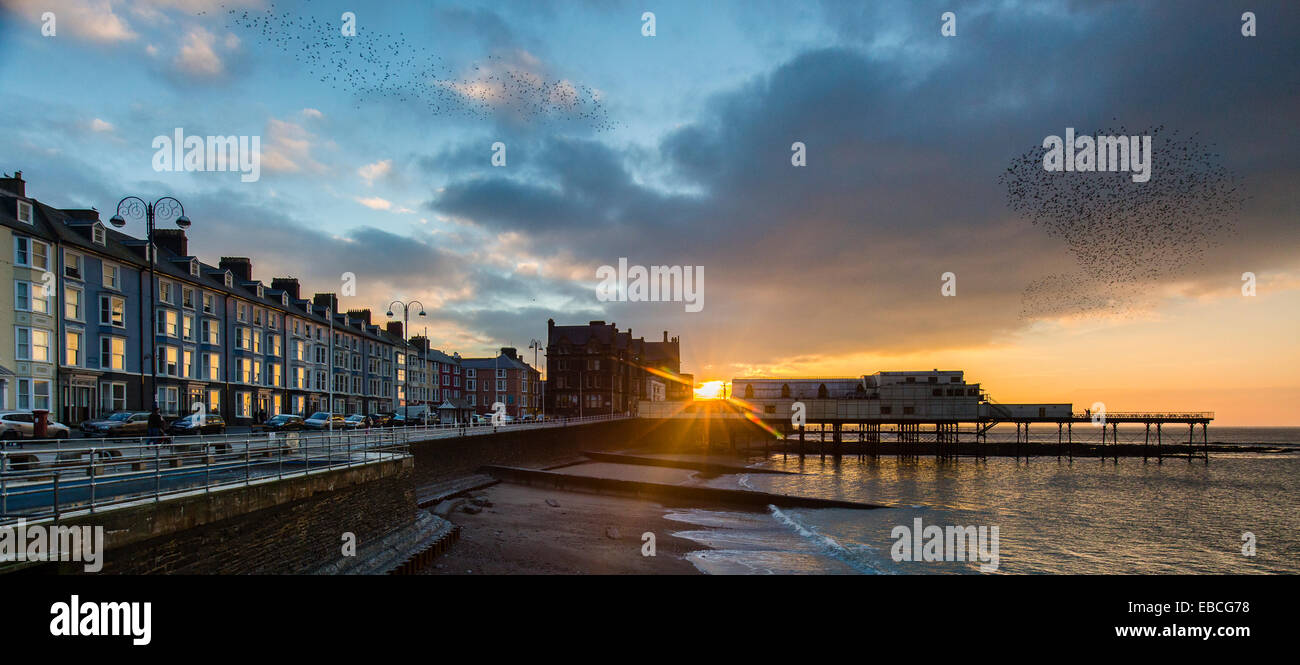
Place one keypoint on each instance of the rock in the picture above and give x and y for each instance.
(471, 509)
(611, 532)
(553, 503)
(481, 501)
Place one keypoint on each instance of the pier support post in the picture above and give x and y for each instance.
(801, 430)
(1191, 437)
(1146, 441)
(1205, 441)
(1058, 442)
(1069, 444)
(1114, 440)
(1159, 455)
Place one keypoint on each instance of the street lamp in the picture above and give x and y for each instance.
(406, 327)
(137, 209)
(536, 345)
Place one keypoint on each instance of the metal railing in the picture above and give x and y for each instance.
(51, 477)
(1148, 415)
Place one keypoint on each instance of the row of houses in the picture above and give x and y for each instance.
(89, 328)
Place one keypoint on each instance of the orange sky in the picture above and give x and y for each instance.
(1236, 356)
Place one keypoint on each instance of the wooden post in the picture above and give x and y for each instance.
(1069, 446)
(801, 427)
(1146, 442)
(1159, 455)
(1191, 439)
(1114, 440)
(1205, 441)
(1058, 441)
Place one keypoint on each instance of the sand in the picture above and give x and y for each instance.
(521, 534)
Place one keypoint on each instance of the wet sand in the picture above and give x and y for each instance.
(521, 534)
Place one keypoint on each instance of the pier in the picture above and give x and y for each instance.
(931, 413)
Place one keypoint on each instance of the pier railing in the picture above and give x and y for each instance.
(1148, 415)
(53, 477)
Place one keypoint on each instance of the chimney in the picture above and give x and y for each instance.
(14, 184)
(82, 214)
(510, 352)
(665, 337)
(240, 266)
(173, 240)
(287, 284)
(395, 329)
(360, 314)
(320, 299)
(596, 323)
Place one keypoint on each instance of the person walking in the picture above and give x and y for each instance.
(156, 425)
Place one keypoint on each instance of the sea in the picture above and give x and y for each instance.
(1240, 513)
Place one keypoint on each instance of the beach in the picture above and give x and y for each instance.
(520, 533)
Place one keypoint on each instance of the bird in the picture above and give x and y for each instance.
(380, 67)
(1124, 235)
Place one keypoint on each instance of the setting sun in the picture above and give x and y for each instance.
(709, 390)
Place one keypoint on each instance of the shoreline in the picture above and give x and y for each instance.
(525, 530)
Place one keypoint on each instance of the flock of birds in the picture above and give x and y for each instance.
(374, 65)
(1123, 234)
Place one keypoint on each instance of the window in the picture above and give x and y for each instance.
(187, 364)
(32, 297)
(169, 399)
(165, 292)
(909, 410)
(257, 315)
(72, 348)
(229, 280)
(112, 311)
(187, 297)
(25, 213)
(31, 253)
(275, 378)
(214, 401)
(112, 353)
(243, 404)
(209, 304)
(71, 265)
(194, 267)
(168, 323)
(211, 331)
(168, 363)
(469, 373)
(33, 394)
(97, 235)
(244, 338)
(245, 369)
(241, 312)
(187, 327)
(469, 383)
(299, 378)
(32, 344)
(72, 304)
(112, 396)
(212, 366)
(886, 410)
(112, 277)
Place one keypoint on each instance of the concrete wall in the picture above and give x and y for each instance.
(287, 526)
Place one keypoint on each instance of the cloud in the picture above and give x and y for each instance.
(376, 170)
(288, 148)
(103, 126)
(93, 20)
(197, 57)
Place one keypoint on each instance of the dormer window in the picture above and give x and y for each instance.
(98, 235)
(194, 267)
(230, 281)
(284, 299)
(260, 293)
(25, 213)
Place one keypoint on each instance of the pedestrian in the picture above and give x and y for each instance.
(156, 425)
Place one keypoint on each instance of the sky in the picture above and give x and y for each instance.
(676, 150)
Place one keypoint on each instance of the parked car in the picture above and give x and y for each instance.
(284, 422)
(122, 423)
(381, 420)
(22, 425)
(321, 420)
(357, 421)
(212, 424)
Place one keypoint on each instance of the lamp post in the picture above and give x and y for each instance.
(329, 380)
(138, 209)
(536, 346)
(406, 326)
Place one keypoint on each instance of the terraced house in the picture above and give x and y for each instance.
(74, 330)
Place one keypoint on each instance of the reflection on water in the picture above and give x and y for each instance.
(1054, 517)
